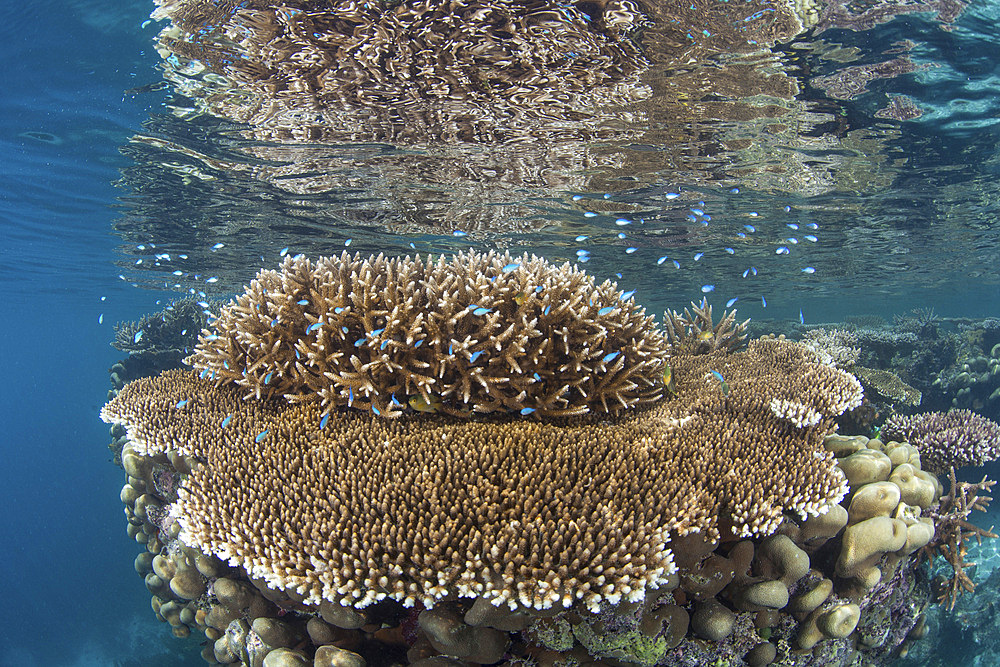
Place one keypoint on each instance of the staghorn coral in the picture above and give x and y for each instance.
(953, 531)
(477, 333)
(693, 332)
(519, 512)
(835, 347)
(947, 439)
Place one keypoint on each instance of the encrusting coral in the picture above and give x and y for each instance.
(353, 508)
(947, 439)
(477, 333)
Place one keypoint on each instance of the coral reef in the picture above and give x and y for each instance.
(953, 531)
(945, 440)
(835, 347)
(693, 331)
(479, 333)
(173, 329)
(887, 386)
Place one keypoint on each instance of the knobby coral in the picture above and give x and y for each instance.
(352, 509)
(478, 333)
(947, 439)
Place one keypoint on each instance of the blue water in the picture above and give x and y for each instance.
(914, 225)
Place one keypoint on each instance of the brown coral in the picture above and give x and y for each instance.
(887, 385)
(693, 331)
(355, 509)
(947, 439)
(477, 333)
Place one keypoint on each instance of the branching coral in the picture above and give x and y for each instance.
(835, 347)
(953, 532)
(175, 327)
(947, 439)
(693, 332)
(478, 333)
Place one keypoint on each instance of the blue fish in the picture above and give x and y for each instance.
(539, 289)
(763, 301)
(812, 225)
(605, 310)
(313, 327)
(697, 211)
(627, 295)
(338, 310)
(350, 396)
(677, 264)
(730, 251)
(347, 242)
(376, 332)
(226, 421)
(671, 195)
(707, 288)
(582, 237)
(511, 267)
(375, 410)
(717, 375)
(449, 349)
(792, 240)
(203, 374)
(181, 404)
(630, 250)
(267, 378)
(577, 197)
(621, 222)
(611, 356)
(698, 255)
(582, 253)
(527, 411)
(810, 238)
(750, 228)
(303, 302)
(546, 310)
(344, 329)
(740, 235)
(808, 269)
(791, 225)
(706, 218)
(753, 269)
(225, 364)
(260, 436)
(218, 245)
(418, 343)
(394, 400)
(537, 377)
(323, 420)
(283, 252)
(590, 214)
(661, 260)
(782, 250)
(482, 311)
(734, 191)
(359, 342)
(802, 320)
(458, 232)
(384, 343)
(730, 303)
(474, 356)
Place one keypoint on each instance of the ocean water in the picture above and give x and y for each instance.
(850, 169)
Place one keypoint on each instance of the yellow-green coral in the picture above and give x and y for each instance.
(629, 645)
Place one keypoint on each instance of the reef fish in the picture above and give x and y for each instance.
(421, 404)
(722, 382)
(668, 379)
(260, 436)
(527, 411)
(226, 421)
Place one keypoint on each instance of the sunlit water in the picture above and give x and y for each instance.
(840, 171)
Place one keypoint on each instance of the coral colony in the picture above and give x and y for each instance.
(494, 459)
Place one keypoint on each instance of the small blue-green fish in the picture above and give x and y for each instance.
(137, 337)
(753, 214)
(203, 374)
(511, 267)
(260, 436)
(808, 269)
(527, 411)
(450, 348)
(621, 222)
(382, 346)
(313, 327)
(671, 195)
(707, 288)
(226, 421)
(375, 410)
(537, 377)
(577, 197)
(627, 295)
(584, 259)
(324, 420)
(218, 245)
(213, 279)
(734, 191)
(178, 272)
(184, 332)
(481, 311)
(338, 310)
(730, 251)
(376, 332)
(792, 240)
(344, 329)
(705, 219)
(661, 260)
(729, 304)
(698, 256)
(303, 302)
(539, 289)
(787, 209)
(763, 301)
(610, 356)
(545, 311)
(630, 250)
(791, 225)
(203, 304)
(211, 337)
(812, 225)
(582, 253)
(181, 404)
(582, 237)
(697, 211)
(810, 238)
(347, 242)
(718, 375)
(274, 322)
(267, 378)
(421, 404)
(418, 343)
(350, 396)
(359, 342)
(475, 355)
(459, 232)
(740, 235)
(283, 252)
(605, 310)
(590, 214)
(225, 364)
(395, 401)
(782, 250)
(100, 319)
(802, 320)
(677, 264)
(750, 228)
